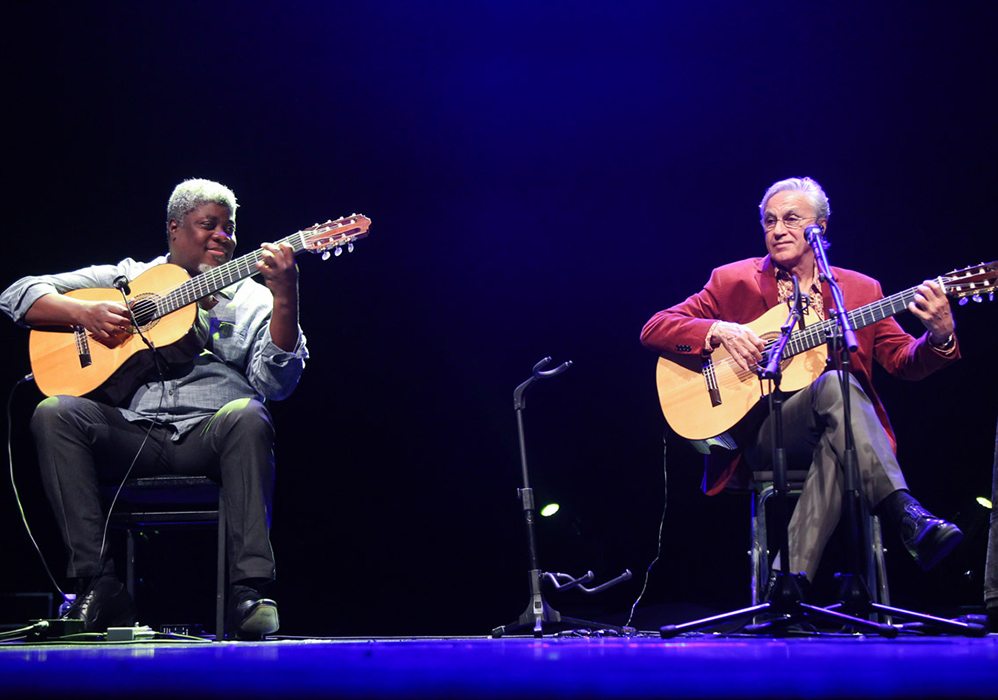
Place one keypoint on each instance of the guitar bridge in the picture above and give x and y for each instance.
(710, 377)
(82, 346)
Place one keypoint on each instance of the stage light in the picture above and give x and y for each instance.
(550, 509)
(985, 502)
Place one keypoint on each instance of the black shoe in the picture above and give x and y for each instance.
(927, 538)
(251, 617)
(104, 604)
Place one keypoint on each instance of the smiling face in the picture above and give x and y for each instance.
(205, 239)
(787, 245)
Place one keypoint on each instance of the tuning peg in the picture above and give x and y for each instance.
(350, 247)
(963, 301)
(977, 298)
(338, 251)
(325, 256)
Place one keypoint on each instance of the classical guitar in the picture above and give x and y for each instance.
(702, 398)
(163, 299)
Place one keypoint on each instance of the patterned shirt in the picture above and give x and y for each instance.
(239, 361)
(785, 293)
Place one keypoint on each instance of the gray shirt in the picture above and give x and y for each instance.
(240, 359)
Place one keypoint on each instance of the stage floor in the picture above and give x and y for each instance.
(645, 666)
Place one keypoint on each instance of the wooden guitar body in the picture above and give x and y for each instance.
(696, 412)
(56, 355)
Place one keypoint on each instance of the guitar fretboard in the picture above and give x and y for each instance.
(818, 333)
(318, 238)
(207, 283)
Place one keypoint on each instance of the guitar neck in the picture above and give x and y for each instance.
(207, 283)
(818, 333)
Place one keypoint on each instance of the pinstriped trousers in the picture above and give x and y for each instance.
(814, 439)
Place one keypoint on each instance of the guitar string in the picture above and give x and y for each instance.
(195, 288)
(200, 286)
(815, 334)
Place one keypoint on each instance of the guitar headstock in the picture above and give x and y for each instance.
(334, 235)
(972, 282)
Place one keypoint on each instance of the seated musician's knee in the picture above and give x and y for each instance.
(828, 387)
(50, 412)
(245, 418)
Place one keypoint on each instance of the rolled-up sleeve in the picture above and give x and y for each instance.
(272, 371)
(19, 297)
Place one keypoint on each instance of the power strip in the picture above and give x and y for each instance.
(128, 634)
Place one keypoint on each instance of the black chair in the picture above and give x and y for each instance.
(172, 501)
(875, 573)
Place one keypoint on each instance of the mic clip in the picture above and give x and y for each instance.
(121, 284)
(805, 302)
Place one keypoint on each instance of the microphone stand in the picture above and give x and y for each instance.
(538, 611)
(785, 606)
(854, 593)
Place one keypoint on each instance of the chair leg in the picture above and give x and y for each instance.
(883, 594)
(130, 562)
(220, 573)
(759, 554)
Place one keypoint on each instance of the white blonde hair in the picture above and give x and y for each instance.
(192, 193)
(806, 186)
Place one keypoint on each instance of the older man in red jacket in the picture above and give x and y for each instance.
(814, 434)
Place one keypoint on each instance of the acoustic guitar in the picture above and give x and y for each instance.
(703, 398)
(163, 301)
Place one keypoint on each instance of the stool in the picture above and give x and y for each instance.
(875, 573)
(185, 501)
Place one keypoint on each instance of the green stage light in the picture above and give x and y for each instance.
(550, 509)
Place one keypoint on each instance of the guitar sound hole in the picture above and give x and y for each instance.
(144, 306)
(771, 339)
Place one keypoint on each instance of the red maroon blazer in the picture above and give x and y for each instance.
(742, 291)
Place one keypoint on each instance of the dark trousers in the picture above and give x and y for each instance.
(83, 445)
(814, 439)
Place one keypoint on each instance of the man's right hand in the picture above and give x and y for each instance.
(741, 342)
(102, 319)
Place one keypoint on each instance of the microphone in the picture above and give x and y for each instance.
(121, 284)
(814, 233)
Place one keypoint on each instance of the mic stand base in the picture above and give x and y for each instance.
(539, 613)
(784, 608)
(855, 599)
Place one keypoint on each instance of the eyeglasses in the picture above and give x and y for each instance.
(791, 221)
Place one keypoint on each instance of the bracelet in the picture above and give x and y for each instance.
(946, 345)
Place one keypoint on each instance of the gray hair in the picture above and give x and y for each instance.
(805, 185)
(192, 193)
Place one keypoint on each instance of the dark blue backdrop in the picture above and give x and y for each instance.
(542, 177)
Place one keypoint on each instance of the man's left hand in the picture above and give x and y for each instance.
(280, 274)
(278, 269)
(931, 307)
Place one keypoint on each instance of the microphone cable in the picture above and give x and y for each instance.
(17, 496)
(121, 285)
(661, 527)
